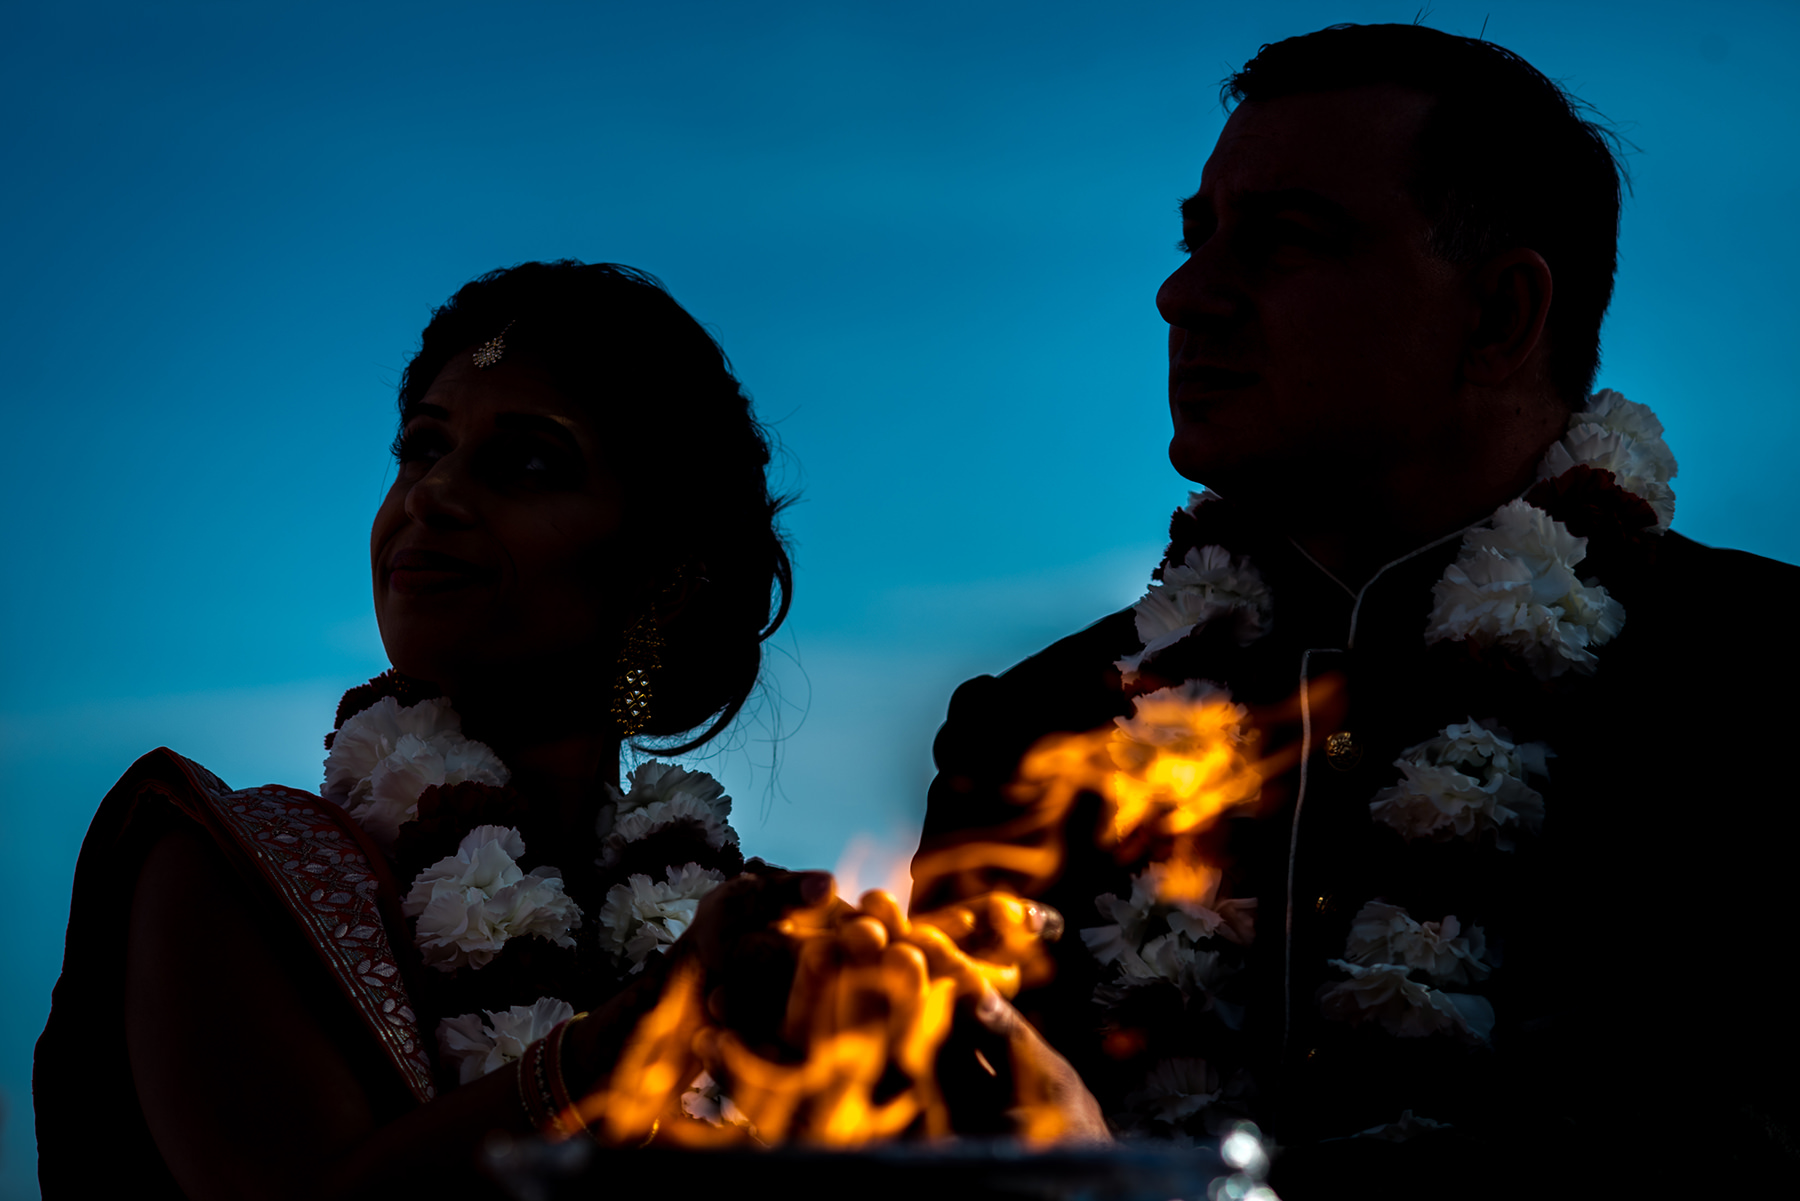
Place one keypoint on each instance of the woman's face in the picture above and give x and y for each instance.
(493, 553)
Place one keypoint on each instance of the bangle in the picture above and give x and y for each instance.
(542, 1092)
(567, 1112)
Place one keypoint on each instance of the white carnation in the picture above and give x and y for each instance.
(1514, 586)
(1197, 500)
(1175, 960)
(470, 904)
(655, 781)
(1177, 1089)
(475, 1048)
(1625, 438)
(641, 916)
(384, 758)
(1186, 956)
(1164, 719)
(1385, 994)
(662, 794)
(1466, 781)
(1126, 931)
(1208, 584)
(1381, 933)
(705, 1100)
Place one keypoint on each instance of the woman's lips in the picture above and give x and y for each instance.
(422, 572)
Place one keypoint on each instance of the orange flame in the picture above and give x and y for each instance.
(871, 1003)
(874, 992)
(1166, 775)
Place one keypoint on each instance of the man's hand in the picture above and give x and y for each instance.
(1051, 1102)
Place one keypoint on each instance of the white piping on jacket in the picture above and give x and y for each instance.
(1287, 959)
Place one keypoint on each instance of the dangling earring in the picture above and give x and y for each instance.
(640, 657)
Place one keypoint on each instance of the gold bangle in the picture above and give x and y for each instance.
(567, 1111)
(534, 1092)
(542, 1093)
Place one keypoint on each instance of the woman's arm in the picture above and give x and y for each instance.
(243, 1088)
(247, 1094)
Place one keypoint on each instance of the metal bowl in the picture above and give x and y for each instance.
(534, 1170)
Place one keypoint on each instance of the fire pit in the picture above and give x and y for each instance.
(536, 1170)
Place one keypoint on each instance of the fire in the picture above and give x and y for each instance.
(869, 863)
(1179, 763)
(1166, 775)
(875, 993)
(873, 997)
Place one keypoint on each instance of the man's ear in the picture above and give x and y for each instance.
(1512, 299)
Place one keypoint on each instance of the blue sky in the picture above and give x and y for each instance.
(927, 233)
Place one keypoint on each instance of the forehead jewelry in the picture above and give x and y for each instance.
(490, 351)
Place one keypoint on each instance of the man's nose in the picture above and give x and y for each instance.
(1198, 292)
(443, 497)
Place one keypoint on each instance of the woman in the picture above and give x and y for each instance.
(270, 994)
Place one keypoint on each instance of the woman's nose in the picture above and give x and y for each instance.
(444, 496)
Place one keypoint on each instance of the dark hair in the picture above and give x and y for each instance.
(693, 472)
(1506, 159)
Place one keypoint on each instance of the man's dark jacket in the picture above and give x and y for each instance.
(1645, 1021)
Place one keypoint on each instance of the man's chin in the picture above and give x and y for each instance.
(1211, 461)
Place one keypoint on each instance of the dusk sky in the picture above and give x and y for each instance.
(928, 235)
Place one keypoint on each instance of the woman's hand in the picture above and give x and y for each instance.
(746, 965)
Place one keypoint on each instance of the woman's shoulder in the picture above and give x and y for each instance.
(301, 852)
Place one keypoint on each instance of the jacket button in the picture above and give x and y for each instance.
(1342, 751)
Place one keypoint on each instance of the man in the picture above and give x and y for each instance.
(1516, 864)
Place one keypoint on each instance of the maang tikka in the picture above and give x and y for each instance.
(490, 352)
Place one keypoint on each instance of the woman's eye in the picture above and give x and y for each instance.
(418, 446)
(537, 465)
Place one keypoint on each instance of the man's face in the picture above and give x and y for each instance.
(1313, 337)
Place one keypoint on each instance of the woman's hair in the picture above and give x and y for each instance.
(690, 457)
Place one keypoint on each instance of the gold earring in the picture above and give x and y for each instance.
(640, 657)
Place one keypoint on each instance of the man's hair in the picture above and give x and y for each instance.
(1506, 159)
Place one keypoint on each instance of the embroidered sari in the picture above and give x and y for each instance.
(331, 911)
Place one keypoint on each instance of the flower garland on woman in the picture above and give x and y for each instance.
(508, 934)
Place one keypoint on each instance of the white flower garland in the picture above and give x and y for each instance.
(1385, 947)
(471, 904)
(475, 1047)
(1175, 1090)
(1207, 585)
(383, 759)
(641, 916)
(1514, 584)
(662, 794)
(1625, 438)
(1186, 956)
(1464, 781)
